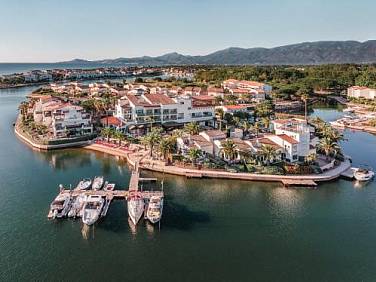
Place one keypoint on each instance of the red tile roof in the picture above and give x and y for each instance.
(111, 120)
(159, 99)
(288, 139)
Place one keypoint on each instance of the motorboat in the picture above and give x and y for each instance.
(135, 203)
(363, 174)
(98, 182)
(109, 187)
(77, 205)
(92, 208)
(60, 206)
(84, 184)
(155, 208)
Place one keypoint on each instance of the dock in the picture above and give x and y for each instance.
(349, 173)
(299, 183)
(136, 183)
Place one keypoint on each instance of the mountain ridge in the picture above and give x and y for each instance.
(305, 53)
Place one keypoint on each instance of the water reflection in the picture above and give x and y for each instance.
(86, 231)
(286, 202)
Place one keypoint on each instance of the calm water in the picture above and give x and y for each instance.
(9, 68)
(211, 230)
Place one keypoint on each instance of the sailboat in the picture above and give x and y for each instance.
(155, 208)
(92, 209)
(136, 204)
(98, 182)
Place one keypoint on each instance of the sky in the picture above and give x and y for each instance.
(59, 30)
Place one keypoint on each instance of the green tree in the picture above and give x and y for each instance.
(229, 149)
(194, 154)
(192, 128)
(269, 153)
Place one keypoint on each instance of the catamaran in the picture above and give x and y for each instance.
(155, 208)
(98, 182)
(60, 206)
(135, 206)
(91, 211)
(84, 184)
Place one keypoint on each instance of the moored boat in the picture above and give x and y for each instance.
(363, 174)
(98, 182)
(135, 203)
(60, 206)
(155, 208)
(92, 208)
(84, 184)
(109, 187)
(77, 205)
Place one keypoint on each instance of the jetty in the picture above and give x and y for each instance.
(136, 183)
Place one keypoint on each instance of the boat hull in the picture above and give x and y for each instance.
(135, 209)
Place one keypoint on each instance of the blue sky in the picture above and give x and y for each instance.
(56, 30)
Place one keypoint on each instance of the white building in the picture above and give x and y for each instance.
(252, 86)
(361, 92)
(62, 119)
(295, 136)
(159, 108)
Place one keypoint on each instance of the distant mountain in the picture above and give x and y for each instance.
(307, 53)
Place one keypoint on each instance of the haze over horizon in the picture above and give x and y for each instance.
(52, 31)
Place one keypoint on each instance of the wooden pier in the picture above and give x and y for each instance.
(298, 183)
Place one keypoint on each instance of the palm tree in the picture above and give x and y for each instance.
(23, 110)
(192, 128)
(194, 154)
(107, 132)
(305, 97)
(310, 159)
(246, 127)
(166, 146)
(119, 136)
(153, 138)
(219, 113)
(328, 147)
(266, 122)
(245, 156)
(269, 153)
(256, 128)
(229, 149)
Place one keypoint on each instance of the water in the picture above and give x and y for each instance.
(10, 68)
(212, 230)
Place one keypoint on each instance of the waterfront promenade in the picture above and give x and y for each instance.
(136, 154)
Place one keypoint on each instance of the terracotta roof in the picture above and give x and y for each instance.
(214, 133)
(288, 139)
(203, 98)
(111, 120)
(159, 99)
(235, 107)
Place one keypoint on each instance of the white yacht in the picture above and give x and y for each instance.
(92, 208)
(77, 205)
(155, 208)
(98, 182)
(363, 174)
(135, 206)
(84, 184)
(60, 206)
